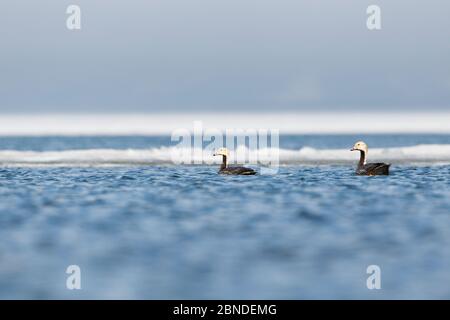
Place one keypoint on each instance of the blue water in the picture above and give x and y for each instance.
(184, 232)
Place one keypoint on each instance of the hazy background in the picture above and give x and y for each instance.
(251, 55)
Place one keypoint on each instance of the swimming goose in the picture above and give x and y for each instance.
(368, 169)
(224, 169)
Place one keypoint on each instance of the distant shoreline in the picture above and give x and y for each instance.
(165, 124)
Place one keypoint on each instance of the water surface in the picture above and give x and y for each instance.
(184, 232)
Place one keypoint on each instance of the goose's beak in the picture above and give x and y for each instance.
(353, 149)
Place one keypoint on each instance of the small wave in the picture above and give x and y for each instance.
(437, 153)
(431, 153)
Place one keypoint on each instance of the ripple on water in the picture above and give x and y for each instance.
(183, 229)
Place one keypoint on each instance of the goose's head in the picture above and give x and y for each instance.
(360, 146)
(221, 152)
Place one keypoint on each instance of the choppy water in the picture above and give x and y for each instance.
(164, 231)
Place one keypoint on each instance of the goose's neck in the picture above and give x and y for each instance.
(362, 158)
(224, 162)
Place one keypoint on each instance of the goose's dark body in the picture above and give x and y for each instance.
(224, 169)
(237, 170)
(371, 169)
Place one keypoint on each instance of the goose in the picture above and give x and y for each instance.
(368, 169)
(224, 169)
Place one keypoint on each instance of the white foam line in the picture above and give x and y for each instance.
(100, 157)
(163, 124)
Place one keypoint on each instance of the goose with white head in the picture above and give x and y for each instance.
(225, 169)
(368, 169)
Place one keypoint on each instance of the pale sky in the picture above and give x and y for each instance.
(220, 55)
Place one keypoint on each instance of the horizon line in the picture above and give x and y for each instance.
(46, 124)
